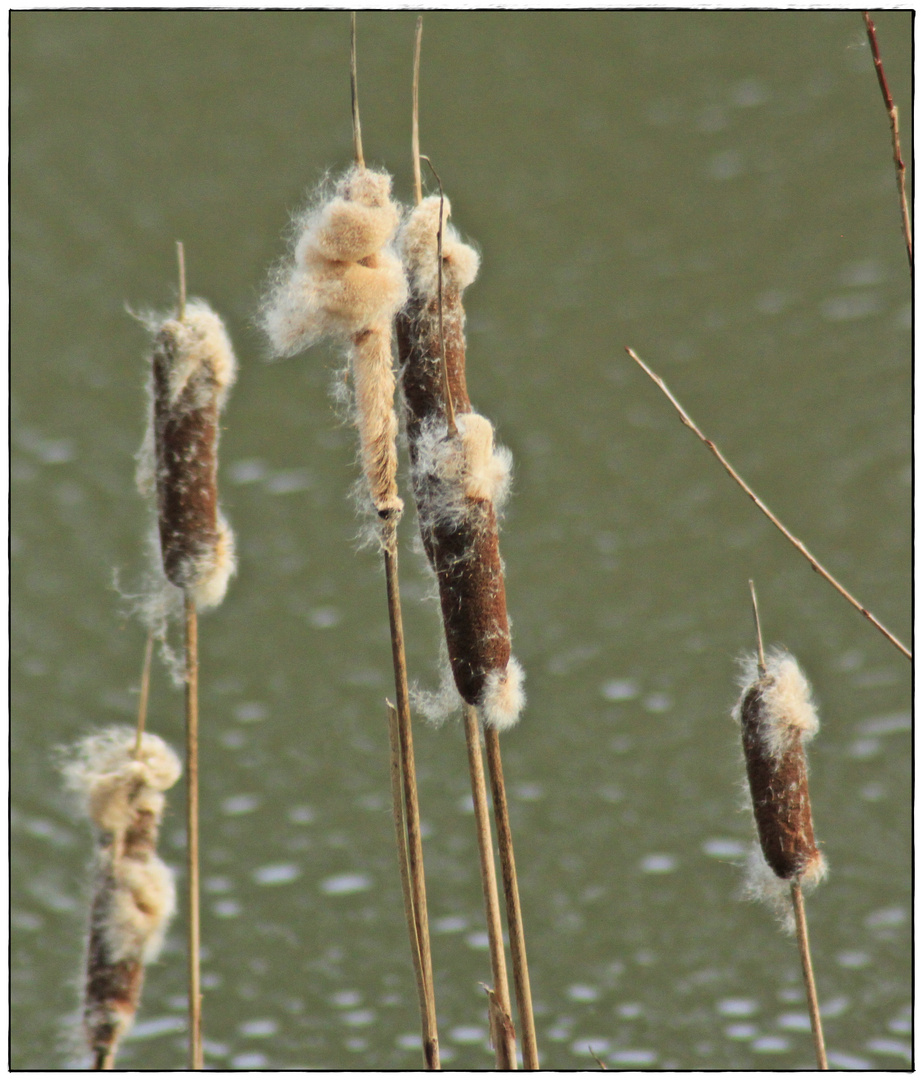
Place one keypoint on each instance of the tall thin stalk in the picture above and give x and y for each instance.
(513, 908)
(729, 469)
(804, 948)
(504, 1035)
(192, 829)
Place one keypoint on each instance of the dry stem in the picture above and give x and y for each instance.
(895, 134)
(104, 1060)
(181, 261)
(354, 95)
(192, 827)
(144, 691)
(504, 1035)
(759, 632)
(415, 123)
(513, 909)
(411, 808)
(824, 573)
(801, 928)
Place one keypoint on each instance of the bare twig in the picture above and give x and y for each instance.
(513, 909)
(192, 827)
(824, 573)
(891, 108)
(801, 928)
(411, 807)
(181, 265)
(446, 389)
(354, 95)
(504, 1039)
(415, 123)
(759, 633)
(598, 1061)
(145, 691)
(502, 1034)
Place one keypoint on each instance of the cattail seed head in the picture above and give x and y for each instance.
(777, 718)
(193, 368)
(134, 895)
(459, 477)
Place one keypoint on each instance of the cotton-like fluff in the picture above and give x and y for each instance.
(460, 478)
(777, 717)
(134, 896)
(193, 368)
(344, 282)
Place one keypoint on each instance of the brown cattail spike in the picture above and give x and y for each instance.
(133, 891)
(193, 370)
(777, 718)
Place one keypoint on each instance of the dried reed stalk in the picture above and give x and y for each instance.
(345, 282)
(815, 565)
(891, 109)
(777, 718)
(193, 368)
(121, 788)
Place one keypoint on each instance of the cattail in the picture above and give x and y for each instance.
(459, 478)
(777, 718)
(193, 368)
(133, 892)
(344, 282)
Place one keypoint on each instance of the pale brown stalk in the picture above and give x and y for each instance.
(415, 122)
(192, 827)
(761, 656)
(503, 1033)
(397, 809)
(104, 1060)
(144, 693)
(513, 908)
(354, 95)
(411, 808)
(899, 167)
(815, 565)
(801, 929)
(181, 261)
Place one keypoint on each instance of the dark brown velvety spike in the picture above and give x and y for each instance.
(779, 789)
(472, 594)
(184, 437)
(420, 359)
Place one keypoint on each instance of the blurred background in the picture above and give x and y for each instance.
(715, 190)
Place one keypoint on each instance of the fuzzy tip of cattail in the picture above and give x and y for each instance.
(341, 277)
(487, 469)
(762, 885)
(788, 709)
(215, 567)
(200, 339)
(418, 244)
(112, 783)
(503, 696)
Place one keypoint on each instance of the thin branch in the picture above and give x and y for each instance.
(504, 1039)
(415, 124)
(354, 95)
(801, 928)
(145, 691)
(411, 806)
(446, 389)
(895, 134)
(759, 632)
(192, 827)
(513, 908)
(181, 262)
(824, 573)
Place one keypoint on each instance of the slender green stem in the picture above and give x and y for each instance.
(513, 908)
(801, 929)
(192, 827)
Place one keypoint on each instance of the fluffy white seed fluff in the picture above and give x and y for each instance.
(215, 568)
(142, 904)
(341, 278)
(762, 885)
(503, 696)
(202, 340)
(788, 708)
(419, 248)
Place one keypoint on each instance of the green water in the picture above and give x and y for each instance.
(713, 189)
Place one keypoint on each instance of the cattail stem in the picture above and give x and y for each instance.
(397, 809)
(354, 96)
(192, 827)
(144, 692)
(761, 656)
(446, 388)
(181, 266)
(801, 929)
(513, 909)
(815, 565)
(415, 122)
(504, 1035)
(411, 806)
(891, 108)
(104, 1060)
